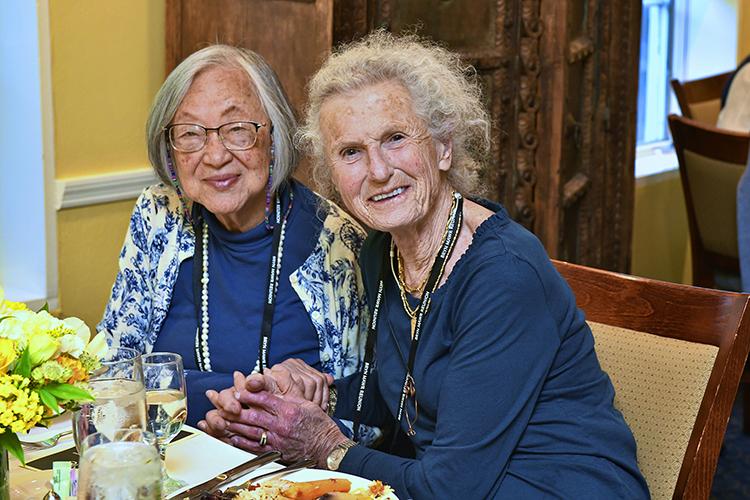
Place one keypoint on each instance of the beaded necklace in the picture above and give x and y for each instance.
(202, 351)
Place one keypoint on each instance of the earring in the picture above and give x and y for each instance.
(176, 185)
(267, 210)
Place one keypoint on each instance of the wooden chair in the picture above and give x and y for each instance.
(701, 99)
(711, 163)
(675, 354)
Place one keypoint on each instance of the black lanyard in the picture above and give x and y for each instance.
(274, 270)
(453, 228)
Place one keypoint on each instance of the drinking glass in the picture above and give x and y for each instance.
(119, 397)
(122, 464)
(164, 378)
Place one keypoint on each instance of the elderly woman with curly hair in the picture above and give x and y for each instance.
(229, 261)
(476, 349)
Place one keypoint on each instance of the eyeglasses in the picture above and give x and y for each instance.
(412, 393)
(191, 137)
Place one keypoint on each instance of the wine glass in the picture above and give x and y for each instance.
(119, 397)
(164, 378)
(123, 464)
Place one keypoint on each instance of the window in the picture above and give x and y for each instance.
(28, 270)
(683, 39)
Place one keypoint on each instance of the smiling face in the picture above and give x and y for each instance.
(230, 184)
(385, 164)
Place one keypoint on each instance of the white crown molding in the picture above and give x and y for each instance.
(103, 188)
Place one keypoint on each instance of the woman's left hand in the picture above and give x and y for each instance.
(293, 377)
(294, 426)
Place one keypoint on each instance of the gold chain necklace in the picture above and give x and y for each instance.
(401, 280)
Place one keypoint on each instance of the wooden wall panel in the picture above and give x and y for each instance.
(294, 36)
(560, 78)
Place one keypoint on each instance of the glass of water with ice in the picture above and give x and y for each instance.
(119, 397)
(122, 464)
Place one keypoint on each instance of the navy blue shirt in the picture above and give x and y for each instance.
(238, 265)
(512, 400)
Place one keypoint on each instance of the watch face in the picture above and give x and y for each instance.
(335, 458)
(337, 455)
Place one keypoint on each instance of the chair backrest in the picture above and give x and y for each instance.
(701, 99)
(711, 163)
(675, 354)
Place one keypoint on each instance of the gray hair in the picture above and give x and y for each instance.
(445, 93)
(270, 93)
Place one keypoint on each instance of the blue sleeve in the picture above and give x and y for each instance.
(504, 343)
(198, 382)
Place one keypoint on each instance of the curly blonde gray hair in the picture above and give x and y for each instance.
(445, 93)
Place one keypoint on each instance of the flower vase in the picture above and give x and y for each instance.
(4, 475)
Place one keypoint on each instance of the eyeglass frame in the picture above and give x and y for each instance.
(206, 130)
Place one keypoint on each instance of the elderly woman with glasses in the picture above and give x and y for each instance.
(476, 349)
(229, 261)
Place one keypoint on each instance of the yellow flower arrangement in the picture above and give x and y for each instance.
(45, 363)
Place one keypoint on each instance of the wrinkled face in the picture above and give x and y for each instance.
(385, 164)
(230, 184)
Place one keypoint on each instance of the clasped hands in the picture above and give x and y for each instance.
(287, 404)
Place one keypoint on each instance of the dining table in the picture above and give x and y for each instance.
(193, 456)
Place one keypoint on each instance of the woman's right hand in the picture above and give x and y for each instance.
(293, 377)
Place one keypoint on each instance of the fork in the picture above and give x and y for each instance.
(49, 442)
(307, 462)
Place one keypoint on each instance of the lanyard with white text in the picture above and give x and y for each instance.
(453, 228)
(277, 251)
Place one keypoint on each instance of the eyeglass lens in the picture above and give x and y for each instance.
(236, 136)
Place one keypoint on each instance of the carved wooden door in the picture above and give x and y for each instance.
(560, 79)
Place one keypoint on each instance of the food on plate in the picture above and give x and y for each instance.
(376, 490)
(311, 490)
(328, 489)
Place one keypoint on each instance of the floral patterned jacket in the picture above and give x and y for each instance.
(159, 238)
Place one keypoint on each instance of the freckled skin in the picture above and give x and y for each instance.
(374, 144)
(219, 95)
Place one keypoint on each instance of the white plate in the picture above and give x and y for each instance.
(318, 474)
(56, 426)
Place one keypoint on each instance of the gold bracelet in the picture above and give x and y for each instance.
(332, 398)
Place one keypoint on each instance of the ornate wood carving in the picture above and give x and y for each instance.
(560, 78)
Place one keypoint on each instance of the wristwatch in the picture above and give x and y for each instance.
(337, 455)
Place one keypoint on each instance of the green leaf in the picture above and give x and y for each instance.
(5, 317)
(69, 391)
(10, 442)
(49, 400)
(45, 307)
(23, 365)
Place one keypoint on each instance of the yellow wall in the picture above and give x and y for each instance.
(660, 231)
(107, 64)
(743, 29)
(89, 242)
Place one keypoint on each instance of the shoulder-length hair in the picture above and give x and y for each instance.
(265, 82)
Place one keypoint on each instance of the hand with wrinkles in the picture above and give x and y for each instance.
(291, 379)
(294, 426)
(228, 408)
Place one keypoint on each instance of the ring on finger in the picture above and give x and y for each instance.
(263, 438)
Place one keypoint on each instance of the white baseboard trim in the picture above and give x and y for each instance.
(103, 188)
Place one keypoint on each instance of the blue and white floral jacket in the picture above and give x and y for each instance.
(159, 238)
